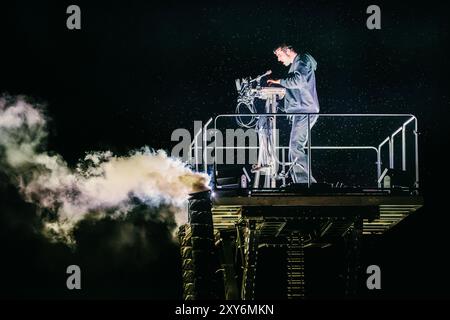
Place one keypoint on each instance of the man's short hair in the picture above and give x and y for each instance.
(284, 46)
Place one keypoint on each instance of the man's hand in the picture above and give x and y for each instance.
(270, 81)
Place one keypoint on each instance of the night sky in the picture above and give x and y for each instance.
(137, 70)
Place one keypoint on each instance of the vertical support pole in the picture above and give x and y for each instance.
(258, 173)
(295, 264)
(391, 153)
(379, 166)
(228, 266)
(309, 151)
(205, 154)
(273, 99)
(250, 256)
(283, 161)
(353, 243)
(416, 141)
(404, 148)
(205, 144)
(196, 153)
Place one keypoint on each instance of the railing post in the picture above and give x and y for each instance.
(391, 153)
(195, 145)
(309, 151)
(416, 141)
(196, 154)
(379, 166)
(205, 145)
(404, 147)
(390, 139)
(283, 159)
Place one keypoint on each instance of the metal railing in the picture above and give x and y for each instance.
(389, 140)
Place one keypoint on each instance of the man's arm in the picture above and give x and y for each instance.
(294, 80)
(297, 78)
(272, 81)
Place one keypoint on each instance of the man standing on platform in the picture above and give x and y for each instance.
(301, 97)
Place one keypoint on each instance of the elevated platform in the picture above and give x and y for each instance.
(256, 218)
(228, 229)
(274, 209)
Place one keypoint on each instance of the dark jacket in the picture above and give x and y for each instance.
(300, 84)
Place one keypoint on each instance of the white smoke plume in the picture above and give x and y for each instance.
(101, 182)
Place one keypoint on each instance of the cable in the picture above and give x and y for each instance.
(251, 109)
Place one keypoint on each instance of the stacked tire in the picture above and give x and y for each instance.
(199, 260)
